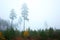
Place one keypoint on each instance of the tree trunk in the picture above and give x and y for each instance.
(24, 25)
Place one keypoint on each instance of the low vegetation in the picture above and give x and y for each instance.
(48, 34)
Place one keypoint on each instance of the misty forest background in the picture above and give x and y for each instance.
(9, 28)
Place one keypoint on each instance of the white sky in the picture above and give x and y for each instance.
(39, 11)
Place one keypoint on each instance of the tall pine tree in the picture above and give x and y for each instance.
(12, 16)
(24, 13)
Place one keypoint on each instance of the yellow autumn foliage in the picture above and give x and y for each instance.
(26, 33)
(0, 33)
(1, 36)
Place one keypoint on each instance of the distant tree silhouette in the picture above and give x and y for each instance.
(20, 21)
(12, 16)
(46, 24)
(24, 13)
(4, 24)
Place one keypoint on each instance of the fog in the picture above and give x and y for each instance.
(40, 12)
